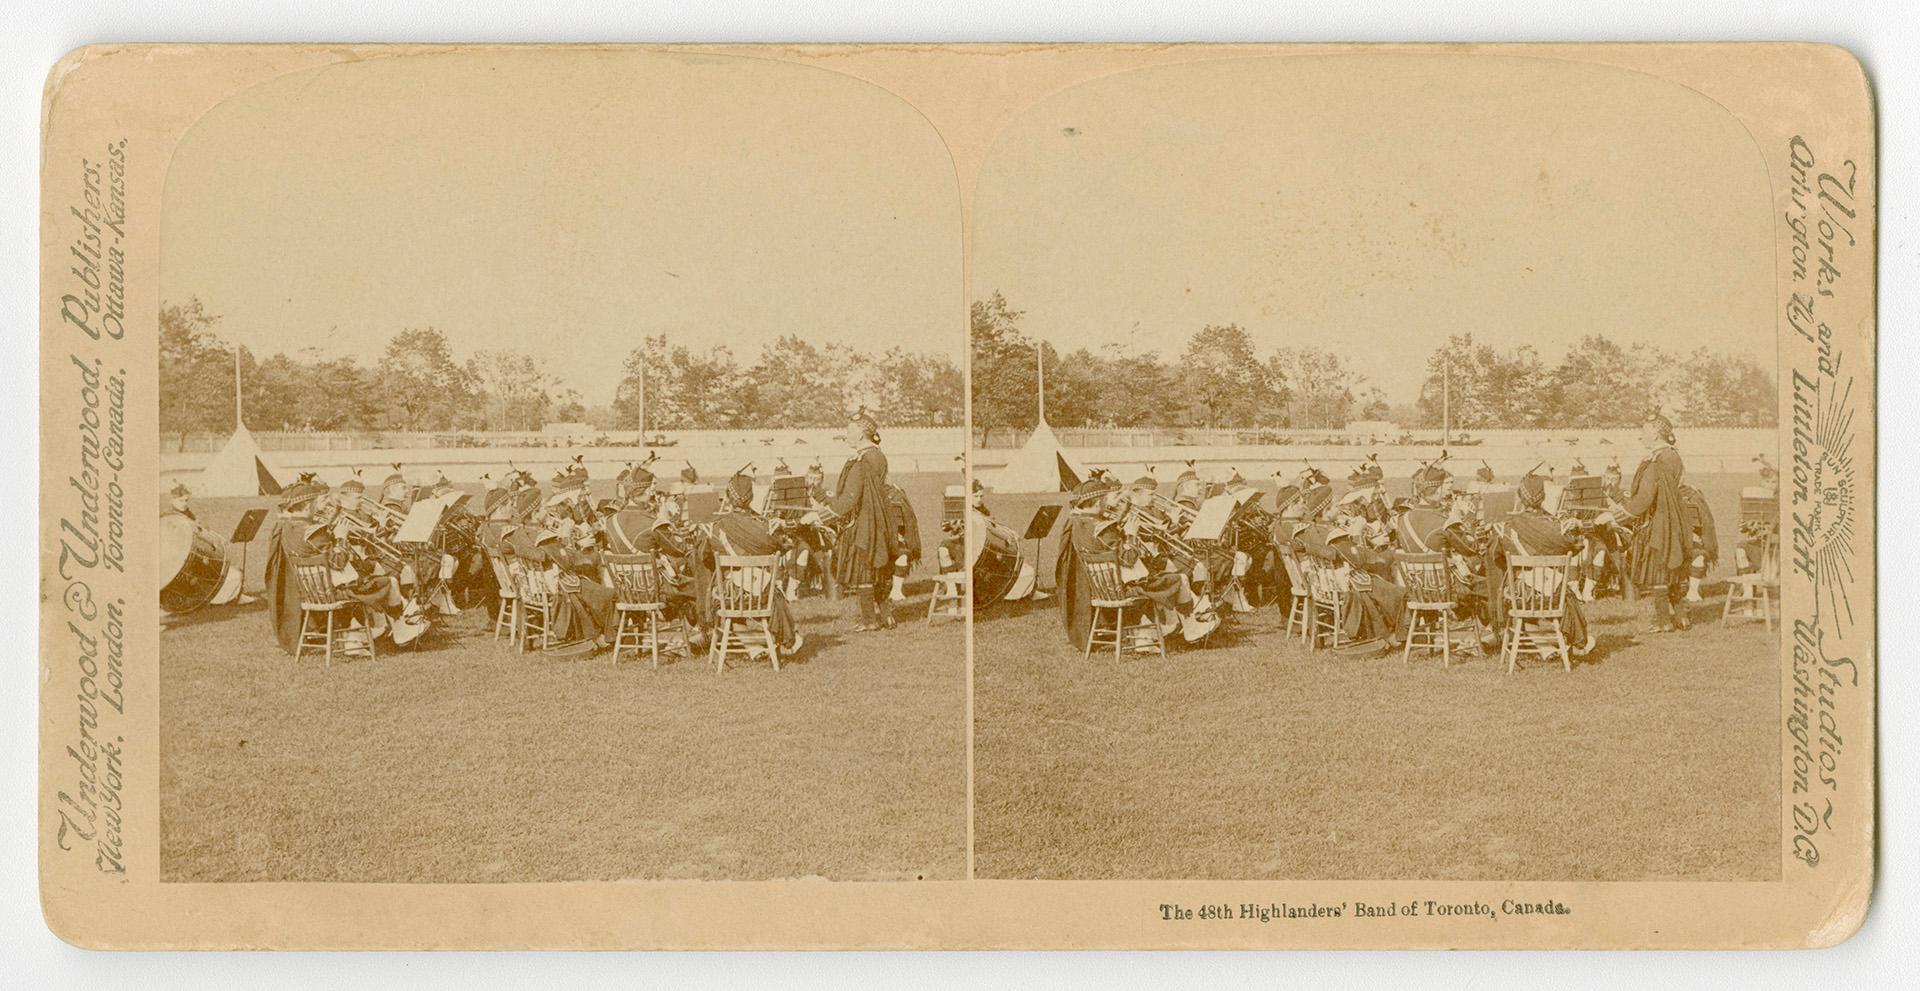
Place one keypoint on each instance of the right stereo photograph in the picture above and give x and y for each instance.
(1375, 476)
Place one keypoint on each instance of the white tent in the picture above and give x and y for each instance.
(238, 469)
(1038, 466)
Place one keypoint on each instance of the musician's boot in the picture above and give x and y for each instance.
(899, 593)
(1662, 612)
(866, 612)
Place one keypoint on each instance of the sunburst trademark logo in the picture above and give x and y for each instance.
(1824, 493)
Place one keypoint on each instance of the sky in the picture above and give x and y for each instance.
(509, 202)
(1523, 200)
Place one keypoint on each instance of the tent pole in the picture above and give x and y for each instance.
(239, 422)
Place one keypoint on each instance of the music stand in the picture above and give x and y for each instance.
(1037, 530)
(1042, 522)
(243, 534)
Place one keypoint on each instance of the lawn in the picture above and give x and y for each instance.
(1251, 758)
(468, 762)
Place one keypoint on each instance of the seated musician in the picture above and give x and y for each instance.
(1433, 486)
(1367, 490)
(572, 566)
(1467, 541)
(1531, 530)
(1132, 533)
(1376, 606)
(394, 491)
(362, 578)
(1188, 489)
(647, 526)
(287, 542)
(741, 532)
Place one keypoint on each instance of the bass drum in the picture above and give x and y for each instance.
(995, 559)
(196, 562)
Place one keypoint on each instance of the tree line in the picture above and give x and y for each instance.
(417, 384)
(1219, 379)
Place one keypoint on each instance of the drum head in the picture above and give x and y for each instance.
(176, 542)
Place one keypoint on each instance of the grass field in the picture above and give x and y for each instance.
(1252, 758)
(468, 762)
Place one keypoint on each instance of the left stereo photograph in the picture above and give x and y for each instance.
(561, 483)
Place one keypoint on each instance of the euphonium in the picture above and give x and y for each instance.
(1148, 528)
(1180, 513)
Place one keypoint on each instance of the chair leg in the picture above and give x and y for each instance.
(1446, 640)
(1766, 607)
(1566, 653)
(1726, 604)
(1093, 632)
(301, 644)
(773, 649)
(329, 655)
(1413, 631)
(1119, 631)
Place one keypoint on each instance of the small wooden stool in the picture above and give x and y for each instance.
(950, 590)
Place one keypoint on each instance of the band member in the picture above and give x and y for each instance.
(394, 491)
(1146, 569)
(362, 579)
(1086, 508)
(1531, 530)
(738, 530)
(1467, 542)
(179, 500)
(585, 606)
(907, 530)
(869, 541)
(1367, 490)
(289, 541)
(1757, 535)
(1188, 489)
(650, 526)
(1428, 510)
(1307, 498)
(1433, 485)
(1658, 555)
(1704, 543)
(1376, 606)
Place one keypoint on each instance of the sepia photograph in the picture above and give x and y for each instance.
(1393, 461)
(957, 496)
(561, 486)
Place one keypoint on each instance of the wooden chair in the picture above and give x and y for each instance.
(640, 602)
(537, 605)
(950, 590)
(507, 619)
(743, 591)
(1757, 590)
(1326, 604)
(320, 602)
(1536, 593)
(1299, 596)
(1110, 598)
(1430, 604)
